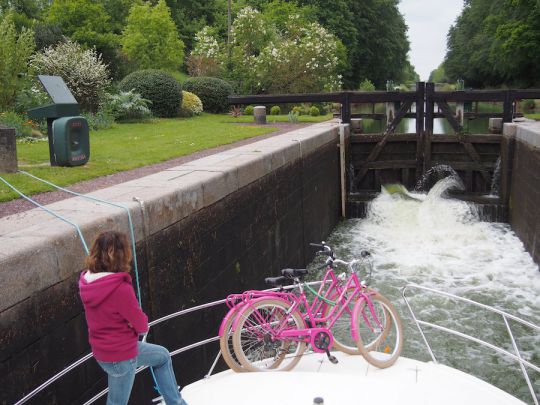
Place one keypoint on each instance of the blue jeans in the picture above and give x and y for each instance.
(122, 373)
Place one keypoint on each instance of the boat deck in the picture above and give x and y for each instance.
(352, 381)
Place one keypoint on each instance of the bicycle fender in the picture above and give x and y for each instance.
(232, 312)
(247, 305)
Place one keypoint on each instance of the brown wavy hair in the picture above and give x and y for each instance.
(110, 252)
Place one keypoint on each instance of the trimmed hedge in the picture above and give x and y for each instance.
(160, 87)
(212, 91)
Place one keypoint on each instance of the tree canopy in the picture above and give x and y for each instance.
(495, 43)
(151, 39)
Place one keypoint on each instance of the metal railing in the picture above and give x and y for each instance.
(173, 315)
(505, 316)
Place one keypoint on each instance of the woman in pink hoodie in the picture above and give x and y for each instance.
(115, 321)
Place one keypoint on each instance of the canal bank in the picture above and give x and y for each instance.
(211, 226)
(523, 181)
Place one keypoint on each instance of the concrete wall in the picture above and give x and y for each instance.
(214, 226)
(524, 140)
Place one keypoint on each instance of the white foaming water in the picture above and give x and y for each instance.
(441, 243)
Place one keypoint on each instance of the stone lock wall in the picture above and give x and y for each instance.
(525, 183)
(205, 229)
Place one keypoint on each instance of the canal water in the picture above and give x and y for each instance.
(440, 243)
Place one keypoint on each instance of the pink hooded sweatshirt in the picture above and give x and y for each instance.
(113, 315)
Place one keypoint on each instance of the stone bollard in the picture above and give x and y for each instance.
(318, 401)
(495, 125)
(259, 114)
(8, 150)
(357, 125)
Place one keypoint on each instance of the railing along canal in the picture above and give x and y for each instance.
(516, 356)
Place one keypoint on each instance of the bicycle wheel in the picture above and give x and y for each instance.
(256, 339)
(341, 329)
(226, 346)
(380, 335)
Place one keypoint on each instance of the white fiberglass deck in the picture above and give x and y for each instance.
(352, 381)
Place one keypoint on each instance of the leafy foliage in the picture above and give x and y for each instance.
(21, 124)
(248, 110)
(314, 111)
(374, 34)
(275, 110)
(84, 72)
(494, 43)
(191, 105)
(366, 85)
(86, 22)
(151, 38)
(15, 52)
(300, 57)
(212, 91)
(102, 119)
(129, 106)
(157, 86)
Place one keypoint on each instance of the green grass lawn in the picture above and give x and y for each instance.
(533, 116)
(128, 146)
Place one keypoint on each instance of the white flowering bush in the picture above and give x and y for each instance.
(205, 58)
(304, 60)
(83, 70)
(300, 58)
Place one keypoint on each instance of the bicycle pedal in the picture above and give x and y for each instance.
(333, 359)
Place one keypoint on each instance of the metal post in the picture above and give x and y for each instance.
(430, 105)
(420, 94)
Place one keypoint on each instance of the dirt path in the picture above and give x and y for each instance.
(21, 205)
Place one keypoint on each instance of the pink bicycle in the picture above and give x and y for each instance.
(271, 332)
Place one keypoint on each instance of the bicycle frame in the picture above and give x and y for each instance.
(309, 317)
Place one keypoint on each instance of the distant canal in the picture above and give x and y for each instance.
(441, 243)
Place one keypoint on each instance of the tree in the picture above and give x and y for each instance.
(151, 39)
(88, 23)
(15, 51)
(438, 75)
(495, 43)
(373, 33)
(302, 57)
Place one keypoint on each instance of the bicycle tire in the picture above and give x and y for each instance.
(341, 329)
(254, 343)
(385, 349)
(226, 346)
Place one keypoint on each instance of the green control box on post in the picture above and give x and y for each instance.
(69, 137)
(71, 141)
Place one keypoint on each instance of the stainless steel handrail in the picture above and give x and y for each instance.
(83, 359)
(516, 357)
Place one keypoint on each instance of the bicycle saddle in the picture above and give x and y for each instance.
(276, 281)
(291, 273)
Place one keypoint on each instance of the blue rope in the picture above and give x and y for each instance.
(130, 222)
(50, 212)
(131, 232)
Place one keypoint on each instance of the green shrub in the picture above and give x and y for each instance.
(191, 105)
(129, 106)
(314, 111)
(22, 125)
(30, 97)
(366, 85)
(157, 86)
(248, 110)
(100, 120)
(293, 116)
(275, 110)
(212, 91)
(297, 110)
(528, 104)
